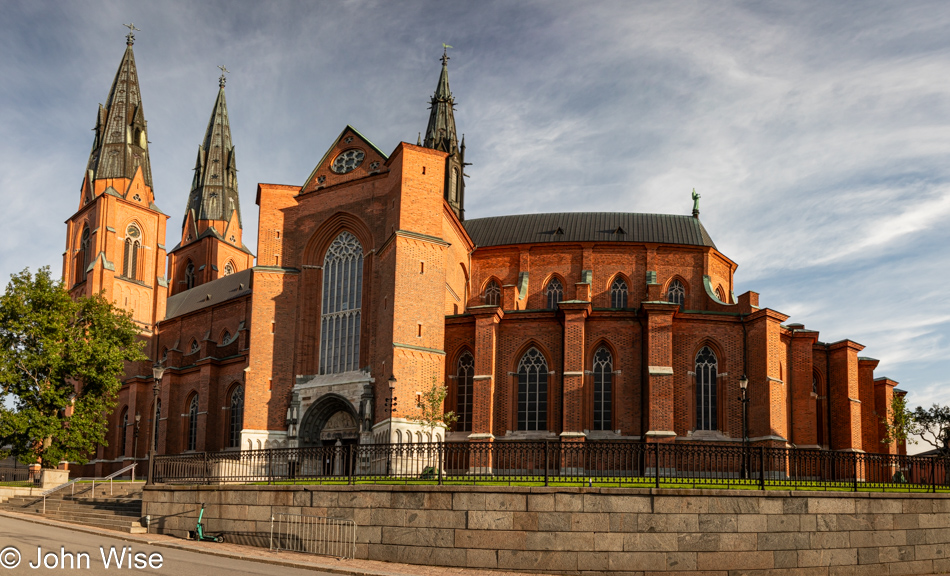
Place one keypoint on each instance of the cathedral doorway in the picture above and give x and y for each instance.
(330, 421)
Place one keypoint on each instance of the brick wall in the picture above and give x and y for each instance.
(594, 530)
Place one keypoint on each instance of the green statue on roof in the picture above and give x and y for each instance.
(696, 198)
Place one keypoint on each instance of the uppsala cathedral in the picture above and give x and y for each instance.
(368, 283)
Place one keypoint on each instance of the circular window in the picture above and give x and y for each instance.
(347, 161)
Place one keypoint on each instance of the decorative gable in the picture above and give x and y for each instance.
(352, 157)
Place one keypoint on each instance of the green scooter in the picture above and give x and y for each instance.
(199, 533)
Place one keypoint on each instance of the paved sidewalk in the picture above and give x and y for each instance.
(289, 559)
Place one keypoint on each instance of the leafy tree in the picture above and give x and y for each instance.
(933, 427)
(899, 423)
(432, 406)
(60, 362)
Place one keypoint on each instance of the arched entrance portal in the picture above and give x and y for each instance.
(330, 421)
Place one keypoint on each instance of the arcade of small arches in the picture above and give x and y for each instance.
(554, 292)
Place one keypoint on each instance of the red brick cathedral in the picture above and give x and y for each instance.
(369, 285)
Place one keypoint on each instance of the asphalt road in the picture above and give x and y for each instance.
(19, 541)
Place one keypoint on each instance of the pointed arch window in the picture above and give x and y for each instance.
(533, 391)
(492, 294)
(721, 294)
(132, 257)
(225, 338)
(554, 293)
(193, 424)
(236, 417)
(603, 388)
(676, 293)
(195, 347)
(706, 392)
(618, 293)
(229, 267)
(189, 275)
(342, 300)
(124, 434)
(82, 258)
(158, 414)
(464, 392)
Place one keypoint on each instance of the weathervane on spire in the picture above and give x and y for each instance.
(130, 37)
(222, 79)
(445, 52)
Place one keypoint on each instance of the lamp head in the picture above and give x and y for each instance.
(743, 382)
(158, 370)
(138, 417)
(392, 382)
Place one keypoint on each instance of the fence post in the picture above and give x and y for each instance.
(440, 460)
(761, 467)
(547, 451)
(351, 458)
(855, 482)
(656, 448)
(933, 475)
(204, 455)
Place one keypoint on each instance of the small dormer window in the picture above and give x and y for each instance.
(226, 337)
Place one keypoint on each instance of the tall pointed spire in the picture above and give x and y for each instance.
(440, 133)
(214, 190)
(120, 146)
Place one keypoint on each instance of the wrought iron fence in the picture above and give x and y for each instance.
(18, 476)
(594, 463)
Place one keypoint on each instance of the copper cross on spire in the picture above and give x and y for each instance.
(445, 52)
(222, 79)
(130, 37)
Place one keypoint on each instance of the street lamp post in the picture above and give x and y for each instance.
(744, 398)
(135, 437)
(157, 372)
(390, 407)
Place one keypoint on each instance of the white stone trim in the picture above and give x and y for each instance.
(661, 370)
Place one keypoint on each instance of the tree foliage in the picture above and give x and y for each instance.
(932, 425)
(60, 362)
(432, 408)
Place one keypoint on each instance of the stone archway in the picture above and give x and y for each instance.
(329, 420)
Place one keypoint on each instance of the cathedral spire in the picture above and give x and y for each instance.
(120, 146)
(214, 190)
(440, 134)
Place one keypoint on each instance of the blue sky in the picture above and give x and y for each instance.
(816, 132)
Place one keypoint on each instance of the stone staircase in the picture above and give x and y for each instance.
(118, 508)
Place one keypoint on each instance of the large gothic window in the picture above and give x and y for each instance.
(533, 391)
(464, 392)
(82, 259)
(554, 293)
(618, 293)
(133, 248)
(676, 293)
(124, 432)
(603, 384)
(193, 424)
(342, 300)
(236, 417)
(706, 366)
(492, 294)
(190, 276)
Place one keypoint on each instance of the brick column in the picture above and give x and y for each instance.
(574, 400)
(883, 395)
(767, 391)
(658, 370)
(487, 319)
(869, 415)
(804, 414)
(844, 395)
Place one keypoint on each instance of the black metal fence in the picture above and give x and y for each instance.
(625, 464)
(18, 476)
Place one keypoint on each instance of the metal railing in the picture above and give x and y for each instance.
(600, 463)
(72, 484)
(20, 476)
(314, 535)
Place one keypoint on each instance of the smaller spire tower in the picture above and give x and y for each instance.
(441, 135)
(211, 237)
